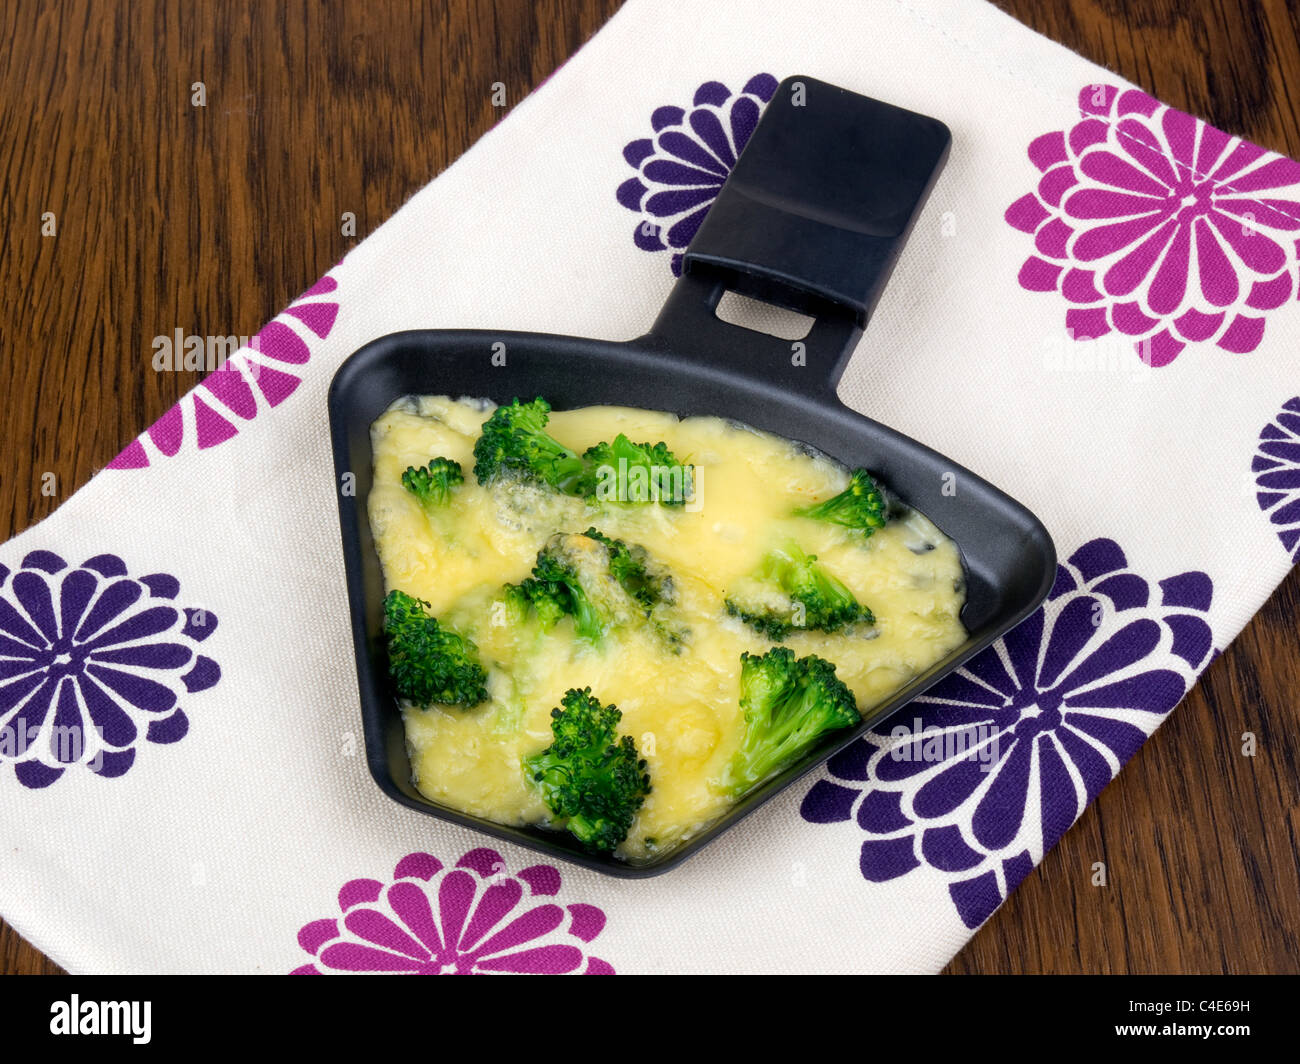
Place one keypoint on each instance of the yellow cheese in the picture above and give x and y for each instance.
(681, 708)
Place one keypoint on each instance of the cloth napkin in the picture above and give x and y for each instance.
(1097, 312)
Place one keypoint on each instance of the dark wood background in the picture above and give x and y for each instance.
(214, 218)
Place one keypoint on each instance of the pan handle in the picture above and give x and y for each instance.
(812, 218)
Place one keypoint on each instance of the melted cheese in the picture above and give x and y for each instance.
(681, 708)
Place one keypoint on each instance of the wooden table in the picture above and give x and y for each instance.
(213, 218)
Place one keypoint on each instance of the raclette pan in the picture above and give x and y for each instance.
(812, 219)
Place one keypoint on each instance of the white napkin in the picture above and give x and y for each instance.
(219, 817)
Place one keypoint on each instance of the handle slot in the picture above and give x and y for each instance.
(812, 219)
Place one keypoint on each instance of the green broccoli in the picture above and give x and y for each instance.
(514, 604)
(624, 471)
(590, 777)
(792, 591)
(789, 704)
(428, 662)
(601, 582)
(861, 506)
(635, 572)
(514, 442)
(573, 577)
(432, 484)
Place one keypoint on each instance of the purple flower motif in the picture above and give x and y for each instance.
(92, 661)
(1006, 752)
(680, 170)
(475, 918)
(1151, 223)
(1276, 466)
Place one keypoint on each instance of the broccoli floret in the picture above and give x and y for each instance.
(514, 604)
(573, 577)
(432, 484)
(648, 584)
(769, 620)
(791, 590)
(557, 588)
(636, 573)
(861, 506)
(553, 592)
(514, 442)
(789, 704)
(427, 661)
(624, 471)
(602, 583)
(590, 777)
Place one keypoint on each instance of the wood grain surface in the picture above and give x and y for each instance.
(213, 218)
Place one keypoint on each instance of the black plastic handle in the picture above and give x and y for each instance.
(812, 218)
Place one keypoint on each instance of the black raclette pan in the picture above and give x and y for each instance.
(812, 219)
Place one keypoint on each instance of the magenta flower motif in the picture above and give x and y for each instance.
(92, 663)
(680, 170)
(475, 918)
(252, 380)
(1155, 225)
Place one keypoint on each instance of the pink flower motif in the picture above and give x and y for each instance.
(472, 919)
(1158, 226)
(249, 382)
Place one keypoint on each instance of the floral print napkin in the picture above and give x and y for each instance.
(1097, 311)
